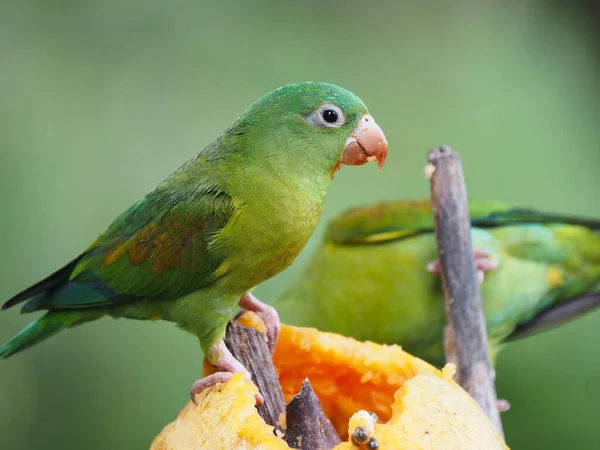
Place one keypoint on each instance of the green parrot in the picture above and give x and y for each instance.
(373, 276)
(237, 214)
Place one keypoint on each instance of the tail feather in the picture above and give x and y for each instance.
(557, 315)
(42, 287)
(46, 326)
(521, 215)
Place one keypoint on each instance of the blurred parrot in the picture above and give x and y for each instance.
(373, 276)
(238, 213)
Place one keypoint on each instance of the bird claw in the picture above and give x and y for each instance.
(268, 315)
(227, 366)
(503, 405)
(484, 262)
(206, 382)
(215, 378)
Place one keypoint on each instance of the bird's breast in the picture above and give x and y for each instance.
(266, 236)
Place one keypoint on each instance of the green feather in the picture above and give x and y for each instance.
(368, 278)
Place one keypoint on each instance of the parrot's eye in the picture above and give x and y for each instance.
(327, 116)
(330, 116)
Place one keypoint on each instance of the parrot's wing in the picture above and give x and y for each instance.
(392, 221)
(381, 223)
(158, 248)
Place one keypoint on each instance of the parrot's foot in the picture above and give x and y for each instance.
(227, 366)
(268, 315)
(483, 263)
(503, 405)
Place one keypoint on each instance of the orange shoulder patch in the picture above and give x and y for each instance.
(115, 252)
(141, 244)
(170, 244)
(163, 244)
(554, 277)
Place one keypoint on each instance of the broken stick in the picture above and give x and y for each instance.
(307, 426)
(249, 347)
(466, 338)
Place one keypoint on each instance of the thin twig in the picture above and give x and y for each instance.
(459, 280)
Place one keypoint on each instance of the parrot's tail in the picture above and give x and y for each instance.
(46, 326)
(557, 315)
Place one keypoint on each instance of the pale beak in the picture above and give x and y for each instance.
(366, 143)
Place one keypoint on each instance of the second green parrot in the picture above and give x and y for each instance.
(374, 275)
(191, 250)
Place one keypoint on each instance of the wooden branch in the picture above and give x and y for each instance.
(307, 426)
(466, 339)
(249, 347)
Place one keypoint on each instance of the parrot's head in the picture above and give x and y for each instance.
(318, 126)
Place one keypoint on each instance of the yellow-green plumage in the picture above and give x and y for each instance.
(227, 220)
(368, 278)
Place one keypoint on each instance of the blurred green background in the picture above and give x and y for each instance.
(101, 99)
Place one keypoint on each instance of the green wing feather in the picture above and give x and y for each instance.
(157, 249)
(385, 222)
